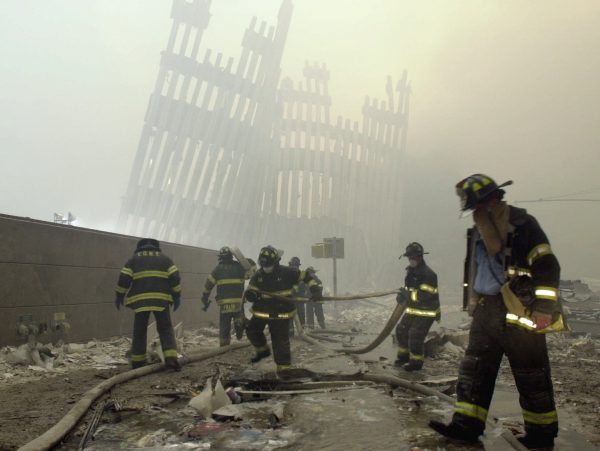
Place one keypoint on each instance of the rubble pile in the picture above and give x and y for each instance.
(34, 361)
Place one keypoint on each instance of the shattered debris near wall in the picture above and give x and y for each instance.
(26, 362)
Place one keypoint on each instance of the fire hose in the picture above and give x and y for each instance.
(56, 433)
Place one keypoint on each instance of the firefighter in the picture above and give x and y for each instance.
(275, 312)
(420, 294)
(511, 283)
(301, 291)
(229, 277)
(150, 282)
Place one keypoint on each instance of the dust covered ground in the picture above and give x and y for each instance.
(33, 398)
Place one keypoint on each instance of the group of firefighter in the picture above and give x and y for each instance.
(511, 292)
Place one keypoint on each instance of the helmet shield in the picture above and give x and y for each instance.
(268, 256)
(225, 253)
(477, 188)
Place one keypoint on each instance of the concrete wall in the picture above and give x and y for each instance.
(48, 270)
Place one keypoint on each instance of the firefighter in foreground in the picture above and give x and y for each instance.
(420, 293)
(150, 282)
(229, 276)
(276, 313)
(511, 284)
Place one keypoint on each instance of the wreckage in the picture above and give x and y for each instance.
(582, 306)
(232, 152)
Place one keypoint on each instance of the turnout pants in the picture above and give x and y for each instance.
(140, 336)
(489, 339)
(225, 319)
(280, 338)
(314, 309)
(410, 334)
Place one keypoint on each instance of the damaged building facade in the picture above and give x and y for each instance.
(232, 152)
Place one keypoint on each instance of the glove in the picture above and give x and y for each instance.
(402, 296)
(205, 301)
(118, 302)
(176, 302)
(251, 295)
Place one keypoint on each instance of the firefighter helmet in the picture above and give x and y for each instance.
(478, 188)
(225, 254)
(147, 243)
(414, 250)
(294, 262)
(268, 256)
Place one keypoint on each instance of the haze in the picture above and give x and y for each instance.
(508, 88)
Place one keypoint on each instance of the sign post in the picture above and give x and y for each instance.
(330, 248)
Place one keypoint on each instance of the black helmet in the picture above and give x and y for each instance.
(294, 262)
(478, 188)
(268, 256)
(147, 243)
(225, 254)
(414, 250)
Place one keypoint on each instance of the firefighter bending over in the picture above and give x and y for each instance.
(150, 282)
(512, 281)
(420, 293)
(277, 313)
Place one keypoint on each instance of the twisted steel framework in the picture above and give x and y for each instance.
(232, 153)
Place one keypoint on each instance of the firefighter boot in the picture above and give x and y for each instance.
(401, 360)
(532, 441)
(413, 365)
(454, 431)
(260, 354)
(172, 363)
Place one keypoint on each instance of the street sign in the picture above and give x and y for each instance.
(336, 246)
(329, 248)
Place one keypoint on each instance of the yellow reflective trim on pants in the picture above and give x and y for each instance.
(428, 288)
(538, 252)
(172, 270)
(402, 351)
(262, 348)
(121, 290)
(540, 418)
(313, 283)
(176, 289)
(229, 281)
(253, 287)
(146, 274)
(263, 315)
(416, 356)
(170, 353)
(149, 309)
(211, 279)
(549, 293)
(283, 367)
(138, 357)
(127, 271)
(471, 410)
(417, 312)
(150, 295)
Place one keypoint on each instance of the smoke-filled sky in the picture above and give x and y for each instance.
(505, 87)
